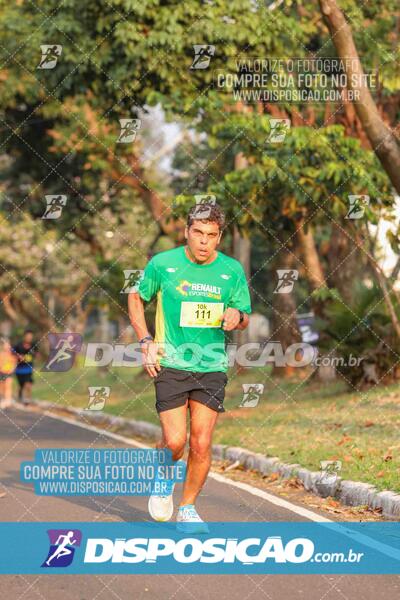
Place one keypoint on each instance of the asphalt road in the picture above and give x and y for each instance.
(21, 432)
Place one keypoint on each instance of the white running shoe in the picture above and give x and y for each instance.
(161, 507)
(189, 521)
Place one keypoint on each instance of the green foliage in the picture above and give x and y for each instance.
(363, 330)
(309, 175)
(61, 125)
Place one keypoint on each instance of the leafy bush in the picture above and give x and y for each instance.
(362, 330)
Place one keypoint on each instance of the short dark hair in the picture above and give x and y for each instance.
(216, 215)
(28, 331)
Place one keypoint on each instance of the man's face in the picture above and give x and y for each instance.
(28, 337)
(202, 239)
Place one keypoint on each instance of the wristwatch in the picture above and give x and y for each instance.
(241, 316)
(147, 338)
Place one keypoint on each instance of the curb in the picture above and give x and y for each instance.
(350, 493)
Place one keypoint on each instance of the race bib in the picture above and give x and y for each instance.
(201, 314)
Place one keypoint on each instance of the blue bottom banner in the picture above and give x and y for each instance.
(228, 548)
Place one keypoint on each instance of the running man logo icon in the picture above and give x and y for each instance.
(204, 203)
(129, 129)
(63, 543)
(63, 348)
(286, 277)
(133, 277)
(202, 56)
(357, 206)
(97, 397)
(50, 54)
(251, 394)
(55, 204)
(278, 131)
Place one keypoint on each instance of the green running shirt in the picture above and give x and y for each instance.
(190, 301)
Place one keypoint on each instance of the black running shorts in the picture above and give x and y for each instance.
(24, 378)
(175, 386)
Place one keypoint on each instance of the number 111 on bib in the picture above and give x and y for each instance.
(201, 314)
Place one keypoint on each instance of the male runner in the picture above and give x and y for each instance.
(201, 293)
(25, 352)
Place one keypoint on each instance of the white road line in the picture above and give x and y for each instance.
(115, 436)
(303, 512)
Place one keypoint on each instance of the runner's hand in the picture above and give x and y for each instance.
(150, 353)
(230, 319)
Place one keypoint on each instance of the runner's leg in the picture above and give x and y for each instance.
(8, 389)
(202, 423)
(20, 388)
(28, 391)
(173, 424)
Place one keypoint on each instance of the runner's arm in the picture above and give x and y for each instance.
(239, 301)
(138, 322)
(136, 315)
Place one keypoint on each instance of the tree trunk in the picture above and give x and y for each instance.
(346, 263)
(383, 283)
(160, 211)
(312, 263)
(104, 323)
(396, 271)
(285, 328)
(8, 307)
(383, 142)
(241, 251)
(313, 268)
